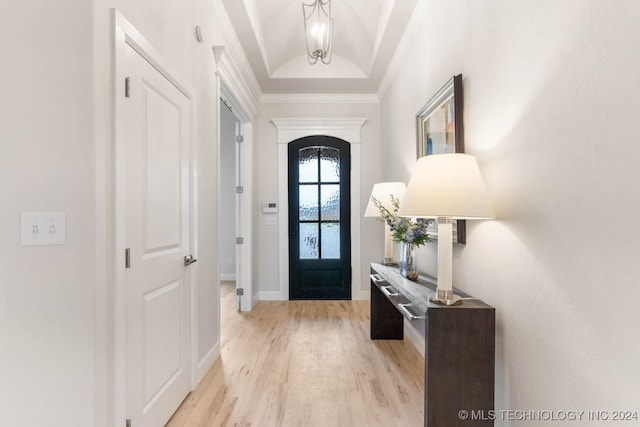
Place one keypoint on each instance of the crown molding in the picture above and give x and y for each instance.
(232, 64)
(319, 98)
(235, 81)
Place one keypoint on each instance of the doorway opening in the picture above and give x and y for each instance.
(229, 205)
(234, 189)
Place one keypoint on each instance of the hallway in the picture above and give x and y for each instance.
(305, 363)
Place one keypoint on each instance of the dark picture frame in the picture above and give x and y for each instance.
(440, 129)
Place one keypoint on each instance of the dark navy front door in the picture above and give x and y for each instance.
(319, 219)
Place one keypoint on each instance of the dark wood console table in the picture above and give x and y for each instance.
(459, 344)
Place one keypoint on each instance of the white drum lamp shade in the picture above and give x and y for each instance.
(382, 192)
(446, 187)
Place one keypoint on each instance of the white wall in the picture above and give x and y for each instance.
(46, 164)
(227, 219)
(551, 94)
(266, 183)
(56, 334)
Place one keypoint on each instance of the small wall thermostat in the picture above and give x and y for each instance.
(269, 207)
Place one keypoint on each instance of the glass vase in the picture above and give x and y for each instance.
(408, 261)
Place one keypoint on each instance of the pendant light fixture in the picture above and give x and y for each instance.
(318, 29)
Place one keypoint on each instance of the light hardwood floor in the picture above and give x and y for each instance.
(305, 364)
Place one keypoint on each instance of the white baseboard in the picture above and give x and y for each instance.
(361, 295)
(414, 336)
(228, 277)
(280, 296)
(252, 300)
(273, 296)
(206, 363)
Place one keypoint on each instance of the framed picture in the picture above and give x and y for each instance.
(439, 130)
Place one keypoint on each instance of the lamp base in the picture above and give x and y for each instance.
(389, 262)
(446, 297)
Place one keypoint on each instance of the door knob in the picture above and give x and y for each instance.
(189, 259)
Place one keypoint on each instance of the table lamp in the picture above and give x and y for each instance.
(382, 192)
(446, 187)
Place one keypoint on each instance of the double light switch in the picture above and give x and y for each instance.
(43, 228)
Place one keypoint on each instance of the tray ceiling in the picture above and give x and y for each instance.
(366, 35)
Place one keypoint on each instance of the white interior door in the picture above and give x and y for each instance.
(157, 135)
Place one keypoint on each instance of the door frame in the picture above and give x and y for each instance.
(289, 129)
(125, 34)
(245, 109)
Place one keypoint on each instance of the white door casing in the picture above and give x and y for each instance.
(234, 91)
(290, 129)
(154, 187)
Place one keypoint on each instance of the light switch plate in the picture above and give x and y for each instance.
(43, 228)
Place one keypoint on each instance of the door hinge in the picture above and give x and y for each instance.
(239, 138)
(128, 423)
(239, 189)
(127, 87)
(127, 258)
(239, 240)
(239, 293)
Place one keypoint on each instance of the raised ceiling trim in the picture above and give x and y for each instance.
(319, 98)
(368, 44)
(237, 57)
